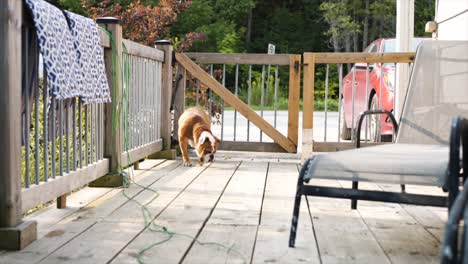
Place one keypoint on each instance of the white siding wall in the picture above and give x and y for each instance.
(455, 28)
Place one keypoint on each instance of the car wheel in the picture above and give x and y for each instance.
(374, 127)
(345, 131)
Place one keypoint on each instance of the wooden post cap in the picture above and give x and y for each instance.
(108, 20)
(163, 42)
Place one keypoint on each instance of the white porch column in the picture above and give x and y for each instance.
(404, 40)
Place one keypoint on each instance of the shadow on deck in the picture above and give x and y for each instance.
(235, 210)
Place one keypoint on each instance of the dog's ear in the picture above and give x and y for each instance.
(202, 139)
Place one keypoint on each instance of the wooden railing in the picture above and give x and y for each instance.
(310, 144)
(285, 138)
(64, 144)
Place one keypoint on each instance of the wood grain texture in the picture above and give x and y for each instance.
(104, 38)
(113, 145)
(308, 92)
(45, 192)
(250, 146)
(273, 233)
(234, 220)
(350, 57)
(231, 99)
(10, 112)
(294, 97)
(166, 96)
(141, 50)
(240, 58)
(141, 152)
(185, 216)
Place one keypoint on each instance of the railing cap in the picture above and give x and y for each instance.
(162, 42)
(108, 20)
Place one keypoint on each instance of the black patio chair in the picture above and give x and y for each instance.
(437, 93)
(450, 253)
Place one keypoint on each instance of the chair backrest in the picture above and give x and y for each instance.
(437, 92)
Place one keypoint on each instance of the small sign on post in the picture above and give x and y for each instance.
(271, 48)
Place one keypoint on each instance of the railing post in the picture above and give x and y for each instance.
(166, 46)
(14, 233)
(166, 100)
(294, 96)
(113, 111)
(308, 106)
(179, 99)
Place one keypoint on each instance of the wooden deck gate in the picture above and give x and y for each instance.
(285, 143)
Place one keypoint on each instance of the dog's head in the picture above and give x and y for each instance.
(207, 144)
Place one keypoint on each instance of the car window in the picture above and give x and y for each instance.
(389, 45)
(374, 48)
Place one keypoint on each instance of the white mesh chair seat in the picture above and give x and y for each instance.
(391, 163)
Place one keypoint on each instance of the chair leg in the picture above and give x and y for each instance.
(354, 202)
(295, 218)
(403, 188)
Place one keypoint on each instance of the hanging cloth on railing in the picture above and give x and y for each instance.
(58, 52)
(90, 54)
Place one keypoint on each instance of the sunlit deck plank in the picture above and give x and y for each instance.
(185, 216)
(273, 232)
(233, 224)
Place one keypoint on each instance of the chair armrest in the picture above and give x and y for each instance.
(374, 112)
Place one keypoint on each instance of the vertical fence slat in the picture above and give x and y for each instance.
(276, 96)
(67, 133)
(262, 98)
(74, 133)
(210, 95)
(87, 132)
(36, 118)
(197, 99)
(367, 93)
(45, 124)
(236, 93)
(353, 97)
(326, 103)
(249, 94)
(222, 103)
(80, 132)
(53, 126)
(394, 93)
(379, 119)
(27, 110)
(60, 137)
(340, 101)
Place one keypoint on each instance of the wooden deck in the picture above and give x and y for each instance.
(235, 210)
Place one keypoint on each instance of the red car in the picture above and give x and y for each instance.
(371, 96)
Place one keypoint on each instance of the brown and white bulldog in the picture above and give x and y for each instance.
(195, 130)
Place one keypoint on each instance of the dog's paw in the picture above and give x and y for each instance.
(201, 161)
(187, 164)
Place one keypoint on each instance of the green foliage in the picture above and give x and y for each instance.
(37, 152)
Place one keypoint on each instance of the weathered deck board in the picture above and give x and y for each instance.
(273, 233)
(391, 224)
(78, 222)
(342, 235)
(234, 220)
(240, 208)
(113, 234)
(185, 216)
